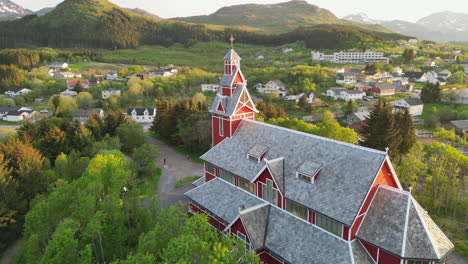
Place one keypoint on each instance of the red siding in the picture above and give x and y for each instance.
(263, 179)
(356, 225)
(384, 177)
(311, 217)
(266, 258)
(226, 130)
(264, 176)
(345, 232)
(238, 78)
(194, 208)
(387, 258)
(244, 110)
(227, 91)
(280, 200)
(213, 221)
(370, 249)
(238, 226)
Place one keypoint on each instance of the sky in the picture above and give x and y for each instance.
(409, 10)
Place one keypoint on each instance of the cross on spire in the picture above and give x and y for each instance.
(232, 41)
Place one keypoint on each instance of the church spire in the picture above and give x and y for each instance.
(232, 41)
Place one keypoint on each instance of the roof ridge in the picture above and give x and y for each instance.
(405, 232)
(425, 229)
(315, 136)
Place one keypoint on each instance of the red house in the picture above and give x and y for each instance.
(294, 197)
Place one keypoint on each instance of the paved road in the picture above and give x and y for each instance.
(176, 168)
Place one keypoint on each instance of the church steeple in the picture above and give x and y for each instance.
(232, 102)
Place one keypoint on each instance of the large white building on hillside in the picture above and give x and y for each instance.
(341, 57)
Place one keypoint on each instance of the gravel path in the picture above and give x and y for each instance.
(176, 168)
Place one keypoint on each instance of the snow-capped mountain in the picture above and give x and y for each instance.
(362, 18)
(440, 27)
(446, 21)
(8, 9)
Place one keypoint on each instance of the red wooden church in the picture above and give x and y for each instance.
(298, 198)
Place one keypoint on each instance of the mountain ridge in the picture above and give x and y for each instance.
(11, 10)
(444, 26)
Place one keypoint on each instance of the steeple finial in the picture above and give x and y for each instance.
(232, 41)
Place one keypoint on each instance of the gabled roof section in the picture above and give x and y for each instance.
(276, 167)
(309, 168)
(232, 104)
(257, 150)
(397, 223)
(227, 79)
(347, 174)
(232, 55)
(223, 199)
(360, 254)
(255, 220)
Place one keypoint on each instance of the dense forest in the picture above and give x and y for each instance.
(100, 24)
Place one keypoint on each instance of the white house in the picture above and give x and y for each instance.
(346, 78)
(273, 86)
(58, 66)
(69, 93)
(65, 75)
(345, 94)
(416, 76)
(296, 98)
(82, 115)
(213, 87)
(17, 91)
(414, 105)
(142, 115)
(342, 57)
(288, 50)
(112, 75)
(5, 109)
(398, 70)
(22, 113)
(109, 92)
(413, 41)
(357, 117)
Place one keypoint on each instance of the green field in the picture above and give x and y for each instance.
(207, 55)
(428, 108)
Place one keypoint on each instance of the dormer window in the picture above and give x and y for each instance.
(309, 171)
(257, 152)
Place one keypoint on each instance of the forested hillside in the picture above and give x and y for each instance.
(101, 24)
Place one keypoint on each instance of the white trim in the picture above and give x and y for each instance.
(365, 214)
(405, 230)
(372, 258)
(351, 252)
(253, 208)
(221, 127)
(369, 190)
(394, 175)
(228, 227)
(378, 254)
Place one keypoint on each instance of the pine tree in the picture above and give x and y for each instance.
(380, 131)
(406, 131)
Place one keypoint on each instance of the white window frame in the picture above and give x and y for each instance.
(221, 127)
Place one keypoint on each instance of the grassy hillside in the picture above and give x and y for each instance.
(276, 18)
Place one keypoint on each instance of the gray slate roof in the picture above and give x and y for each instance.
(229, 102)
(255, 221)
(309, 168)
(414, 101)
(297, 241)
(461, 124)
(360, 254)
(141, 111)
(398, 224)
(276, 167)
(346, 176)
(257, 150)
(232, 55)
(228, 198)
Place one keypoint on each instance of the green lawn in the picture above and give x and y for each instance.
(395, 97)
(186, 181)
(428, 108)
(207, 55)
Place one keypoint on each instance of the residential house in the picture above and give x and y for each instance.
(384, 89)
(451, 58)
(72, 83)
(358, 116)
(416, 76)
(368, 77)
(82, 115)
(296, 98)
(17, 91)
(5, 109)
(109, 92)
(64, 75)
(69, 93)
(465, 65)
(414, 105)
(39, 100)
(58, 66)
(171, 70)
(412, 41)
(112, 75)
(274, 86)
(142, 115)
(338, 69)
(94, 81)
(293, 197)
(461, 97)
(163, 73)
(345, 94)
(346, 78)
(460, 126)
(398, 70)
(212, 87)
(19, 114)
(430, 63)
(443, 73)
